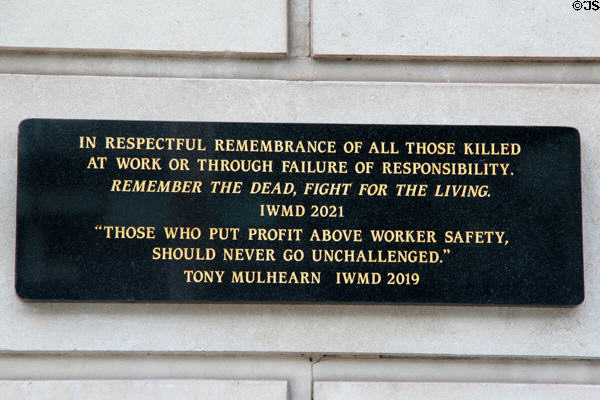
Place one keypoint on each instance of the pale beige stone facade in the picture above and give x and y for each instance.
(272, 61)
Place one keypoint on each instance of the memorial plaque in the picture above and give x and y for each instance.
(270, 212)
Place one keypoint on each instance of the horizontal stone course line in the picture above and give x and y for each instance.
(301, 69)
(104, 53)
(498, 370)
(295, 369)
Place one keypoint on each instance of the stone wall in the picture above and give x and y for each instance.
(369, 62)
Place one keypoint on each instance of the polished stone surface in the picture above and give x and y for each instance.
(498, 222)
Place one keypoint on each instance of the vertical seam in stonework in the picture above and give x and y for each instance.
(312, 379)
(289, 29)
(310, 26)
(314, 359)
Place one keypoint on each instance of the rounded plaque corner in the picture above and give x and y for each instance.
(21, 294)
(24, 124)
(579, 300)
(574, 131)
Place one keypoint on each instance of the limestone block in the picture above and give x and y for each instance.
(256, 28)
(144, 389)
(454, 28)
(450, 391)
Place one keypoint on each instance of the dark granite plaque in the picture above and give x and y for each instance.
(246, 212)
